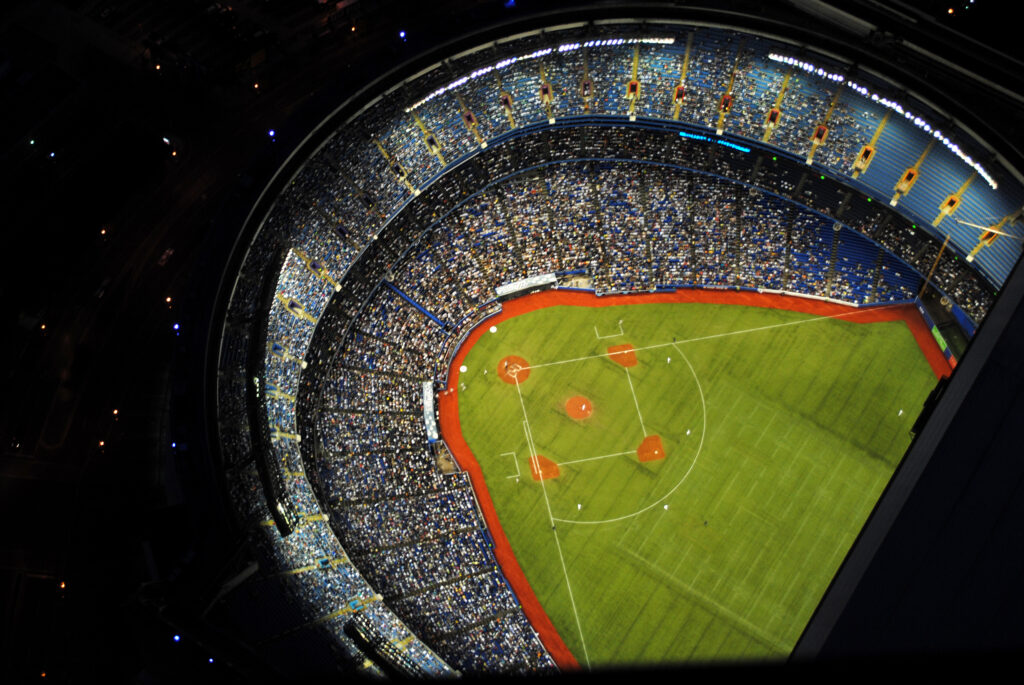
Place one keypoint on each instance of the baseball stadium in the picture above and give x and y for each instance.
(374, 340)
(596, 344)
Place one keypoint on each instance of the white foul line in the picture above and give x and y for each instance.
(716, 335)
(603, 456)
(637, 404)
(551, 520)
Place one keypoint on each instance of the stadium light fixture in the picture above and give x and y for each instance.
(890, 104)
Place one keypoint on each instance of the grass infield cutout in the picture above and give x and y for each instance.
(622, 354)
(579, 407)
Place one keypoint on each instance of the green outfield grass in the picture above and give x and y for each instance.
(779, 442)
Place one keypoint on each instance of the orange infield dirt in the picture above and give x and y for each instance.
(448, 404)
(542, 467)
(513, 369)
(650, 449)
(622, 354)
(579, 407)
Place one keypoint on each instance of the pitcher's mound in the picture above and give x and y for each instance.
(622, 354)
(579, 407)
(513, 369)
(542, 467)
(651, 449)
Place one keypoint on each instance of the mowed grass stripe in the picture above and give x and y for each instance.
(802, 434)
